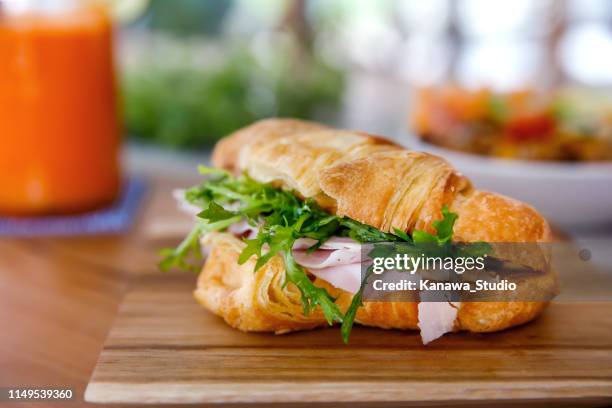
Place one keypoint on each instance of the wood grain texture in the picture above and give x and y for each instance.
(59, 297)
(164, 348)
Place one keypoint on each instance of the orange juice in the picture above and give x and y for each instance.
(59, 131)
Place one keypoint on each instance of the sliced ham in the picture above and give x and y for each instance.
(337, 261)
(345, 277)
(436, 319)
(325, 258)
(332, 243)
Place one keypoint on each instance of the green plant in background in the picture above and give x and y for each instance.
(186, 106)
(186, 87)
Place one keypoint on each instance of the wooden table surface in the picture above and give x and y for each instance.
(164, 348)
(59, 296)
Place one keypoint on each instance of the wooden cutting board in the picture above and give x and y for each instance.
(164, 348)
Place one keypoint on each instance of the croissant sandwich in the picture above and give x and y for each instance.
(282, 215)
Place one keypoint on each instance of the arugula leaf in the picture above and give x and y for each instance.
(253, 248)
(207, 170)
(474, 250)
(214, 212)
(351, 312)
(177, 258)
(402, 234)
(444, 227)
(312, 295)
(422, 237)
(365, 233)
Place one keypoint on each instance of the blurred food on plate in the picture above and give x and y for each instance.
(565, 125)
(59, 129)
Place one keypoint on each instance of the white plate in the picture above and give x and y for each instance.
(568, 194)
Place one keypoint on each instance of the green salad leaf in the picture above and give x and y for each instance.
(444, 229)
(179, 257)
(282, 218)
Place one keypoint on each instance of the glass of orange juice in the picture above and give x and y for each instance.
(59, 129)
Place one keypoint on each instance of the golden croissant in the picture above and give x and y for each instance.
(374, 182)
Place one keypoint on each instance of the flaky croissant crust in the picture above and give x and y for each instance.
(373, 181)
